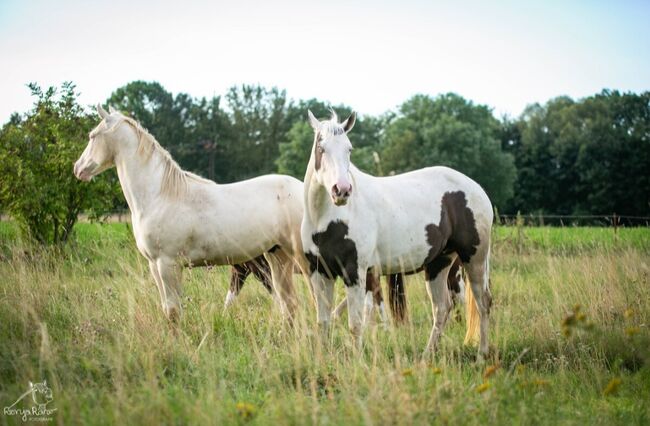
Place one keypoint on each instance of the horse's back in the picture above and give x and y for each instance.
(425, 212)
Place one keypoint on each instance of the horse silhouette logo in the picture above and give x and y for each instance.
(41, 395)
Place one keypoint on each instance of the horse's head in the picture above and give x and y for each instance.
(332, 155)
(105, 141)
(41, 393)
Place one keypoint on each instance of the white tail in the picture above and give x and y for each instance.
(471, 315)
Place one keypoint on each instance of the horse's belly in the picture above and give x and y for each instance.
(214, 253)
(392, 258)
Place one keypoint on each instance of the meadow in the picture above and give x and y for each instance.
(570, 342)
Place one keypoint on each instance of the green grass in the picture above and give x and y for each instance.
(87, 319)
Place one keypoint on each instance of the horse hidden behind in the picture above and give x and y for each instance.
(179, 218)
(421, 220)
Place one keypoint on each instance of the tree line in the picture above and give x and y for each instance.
(587, 156)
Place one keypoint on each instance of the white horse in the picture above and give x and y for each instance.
(181, 219)
(421, 220)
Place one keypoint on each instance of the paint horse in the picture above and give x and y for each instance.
(422, 220)
(181, 219)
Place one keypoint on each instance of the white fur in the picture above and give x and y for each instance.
(196, 221)
(387, 219)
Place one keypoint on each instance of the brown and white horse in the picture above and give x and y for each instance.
(421, 220)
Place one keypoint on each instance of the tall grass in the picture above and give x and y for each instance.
(569, 321)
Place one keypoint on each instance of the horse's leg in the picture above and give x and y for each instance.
(436, 275)
(323, 288)
(281, 267)
(153, 267)
(373, 288)
(356, 295)
(170, 275)
(262, 271)
(397, 297)
(478, 301)
(238, 274)
(374, 298)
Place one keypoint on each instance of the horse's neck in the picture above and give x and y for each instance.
(317, 199)
(141, 181)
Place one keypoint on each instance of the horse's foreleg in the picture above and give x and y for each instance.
(356, 296)
(436, 275)
(170, 275)
(153, 267)
(323, 289)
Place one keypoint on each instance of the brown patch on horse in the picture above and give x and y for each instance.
(337, 254)
(318, 154)
(456, 232)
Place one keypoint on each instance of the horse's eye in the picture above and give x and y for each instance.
(320, 149)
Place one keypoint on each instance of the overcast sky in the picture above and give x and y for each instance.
(371, 55)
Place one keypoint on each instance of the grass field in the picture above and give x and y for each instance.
(570, 342)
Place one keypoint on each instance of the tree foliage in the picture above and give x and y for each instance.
(590, 156)
(37, 152)
(451, 131)
(567, 156)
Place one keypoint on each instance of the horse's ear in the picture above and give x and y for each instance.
(31, 385)
(45, 383)
(313, 121)
(111, 109)
(101, 111)
(348, 124)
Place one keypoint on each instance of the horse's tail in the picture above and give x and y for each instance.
(397, 297)
(471, 314)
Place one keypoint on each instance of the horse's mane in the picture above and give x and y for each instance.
(331, 126)
(175, 180)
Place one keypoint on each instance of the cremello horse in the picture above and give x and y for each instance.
(421, 220)
(181, 219)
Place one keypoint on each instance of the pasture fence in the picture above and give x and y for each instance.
(613, 220)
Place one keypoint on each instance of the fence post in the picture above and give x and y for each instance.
(615, 222)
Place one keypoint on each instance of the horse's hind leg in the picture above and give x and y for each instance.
(262, 271)
(281, 267)
(436, 275)
(238, 274)
(478, 301)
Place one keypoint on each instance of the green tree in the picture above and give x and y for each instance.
(584, 157)
(37, 185)
(451, 131)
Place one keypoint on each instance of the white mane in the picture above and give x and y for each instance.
(331, 127)
(175, 180)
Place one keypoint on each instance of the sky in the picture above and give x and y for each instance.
(370, 55)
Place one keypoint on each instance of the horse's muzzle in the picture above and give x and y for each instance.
(84, 173)
(340, 193)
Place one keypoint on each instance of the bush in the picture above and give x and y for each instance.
(37, 152)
